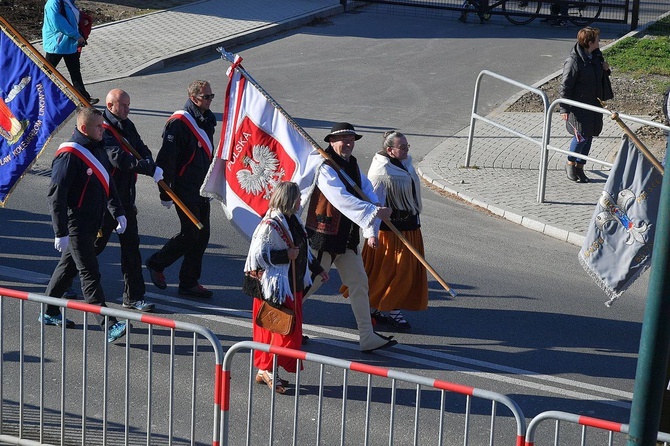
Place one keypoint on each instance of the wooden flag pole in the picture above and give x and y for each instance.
(70, 89)
(177, 201)
(230, 57)
(640, 146)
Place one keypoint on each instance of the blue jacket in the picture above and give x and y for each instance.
(59, 33)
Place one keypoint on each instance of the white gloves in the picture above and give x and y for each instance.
(158, 174)
(123, 222)
(167, 204)
(60, 243)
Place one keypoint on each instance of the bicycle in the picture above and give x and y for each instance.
(522, 12)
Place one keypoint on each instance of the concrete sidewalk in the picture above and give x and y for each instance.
(505, 179)
(149, 42)
(504, 173)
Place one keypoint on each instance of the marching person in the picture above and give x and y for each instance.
(185, 157)
(61, 39)
(277, 270)
(125, 167)
(80, 193)
(583, 73)
(335, 214)
(397, 279)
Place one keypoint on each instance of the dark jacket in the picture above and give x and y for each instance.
(328, 229)
(125, 166)
(184, 162)
(583, 82)
(77, 199)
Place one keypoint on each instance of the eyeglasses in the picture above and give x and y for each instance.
(206, 97)
(402, 147)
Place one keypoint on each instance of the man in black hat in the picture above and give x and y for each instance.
(335, 214)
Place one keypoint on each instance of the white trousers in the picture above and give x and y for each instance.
(352, 273)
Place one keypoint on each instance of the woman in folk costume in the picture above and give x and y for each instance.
(278, 247)
(397, 279)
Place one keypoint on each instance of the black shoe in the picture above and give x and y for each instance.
(391, 342)
(579, 170)
(195, 291)
(570, 170)
(157, 277)
(93, 101)
(398, 321)
(378, 317)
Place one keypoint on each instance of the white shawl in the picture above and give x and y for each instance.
(393, 185)
(275, 281)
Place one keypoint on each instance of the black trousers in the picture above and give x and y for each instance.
(72, 62)
(189, 243)
(131, 259)
(79, 257)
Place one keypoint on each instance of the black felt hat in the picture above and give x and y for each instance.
(342, 128)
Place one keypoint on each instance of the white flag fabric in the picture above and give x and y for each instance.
(258, 149)
(618, 244)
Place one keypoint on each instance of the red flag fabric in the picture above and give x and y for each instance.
(259, 148)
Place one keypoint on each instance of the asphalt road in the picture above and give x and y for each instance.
(528, 322)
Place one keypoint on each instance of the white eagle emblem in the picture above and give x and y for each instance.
(261, 174)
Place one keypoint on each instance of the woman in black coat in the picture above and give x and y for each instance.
(583, 76)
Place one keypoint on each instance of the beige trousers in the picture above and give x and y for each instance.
(352, 272)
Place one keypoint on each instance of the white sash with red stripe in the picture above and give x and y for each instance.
(199, 133)
(87, 157)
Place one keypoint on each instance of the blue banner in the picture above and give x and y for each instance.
(32, 109)
(618, 245)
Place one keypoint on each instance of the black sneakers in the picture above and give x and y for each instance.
(157, 277)
(195, 291)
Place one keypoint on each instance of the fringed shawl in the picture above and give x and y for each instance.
(396, 183)
(268, 236)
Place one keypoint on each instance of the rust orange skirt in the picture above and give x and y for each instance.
(397, 279)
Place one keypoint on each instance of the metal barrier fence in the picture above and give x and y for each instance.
(617, 12)
(607, 429)
(546, 135)
(51, 391)
(415, 409)
(543, 142)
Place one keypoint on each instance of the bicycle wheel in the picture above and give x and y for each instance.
(581, 13)
(521, 12)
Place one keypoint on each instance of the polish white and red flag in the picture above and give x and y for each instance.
(259, 148)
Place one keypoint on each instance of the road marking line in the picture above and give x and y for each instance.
(206, 313)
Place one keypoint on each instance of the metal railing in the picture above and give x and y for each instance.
(42, 371)
(546, 136)
(604, 426)
(543, 142)
(403, 419)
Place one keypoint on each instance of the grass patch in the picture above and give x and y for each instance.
(643, 55)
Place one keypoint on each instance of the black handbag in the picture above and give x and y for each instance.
(608, 93)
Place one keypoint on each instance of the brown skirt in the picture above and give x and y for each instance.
(397, 279)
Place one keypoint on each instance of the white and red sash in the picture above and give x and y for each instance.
(199, 133)
(87, 157)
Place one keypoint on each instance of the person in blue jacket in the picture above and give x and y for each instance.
(61, 39)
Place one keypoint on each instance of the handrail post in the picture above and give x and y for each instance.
(471, 131)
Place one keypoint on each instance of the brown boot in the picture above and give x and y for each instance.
(571, 171)
(579, 170)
